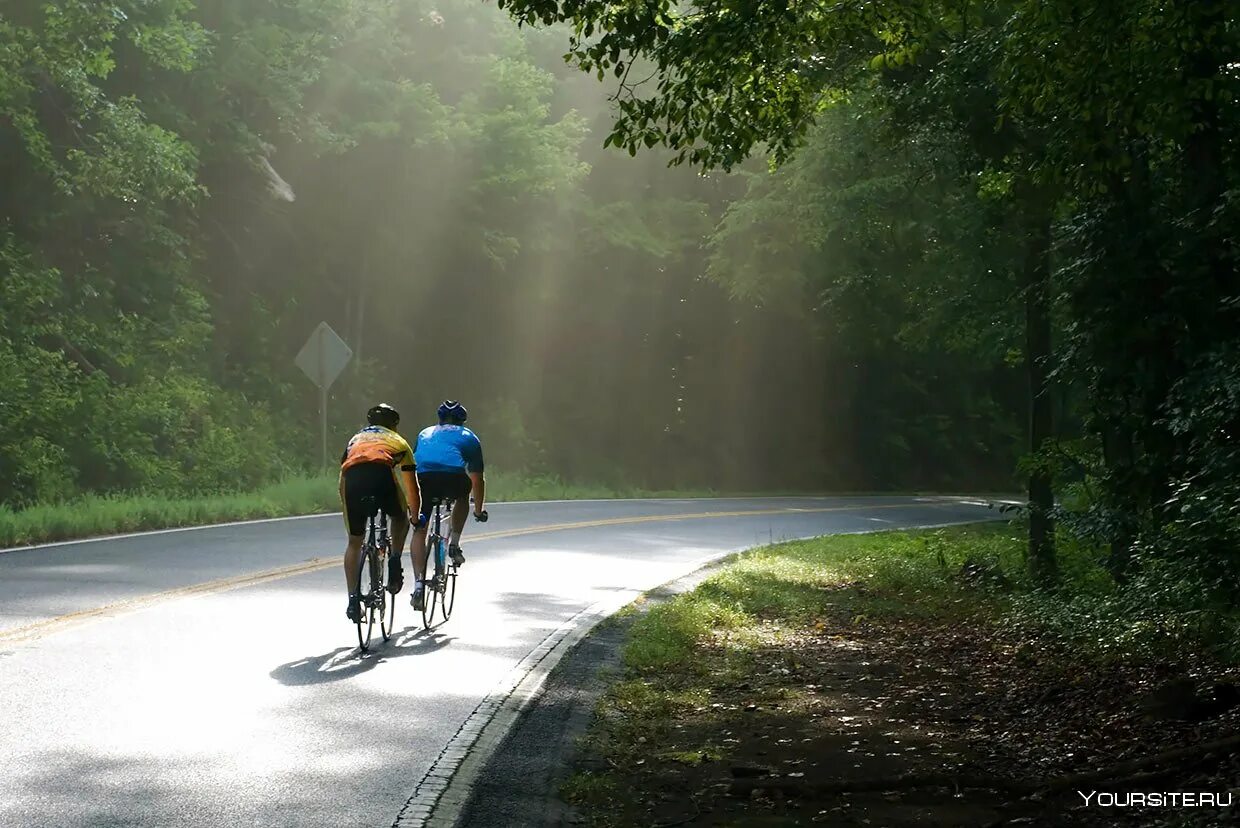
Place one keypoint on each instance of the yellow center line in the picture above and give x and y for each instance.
(73, 619)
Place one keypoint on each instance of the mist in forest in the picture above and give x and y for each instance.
(431, 181)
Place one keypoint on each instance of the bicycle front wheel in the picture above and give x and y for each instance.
(366, 623)
(430, 599)
(448, 600)
(430, 594)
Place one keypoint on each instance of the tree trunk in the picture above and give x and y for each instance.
(1041, 557)
(1118, 456)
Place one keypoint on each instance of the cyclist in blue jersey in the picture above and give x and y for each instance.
(449, 467)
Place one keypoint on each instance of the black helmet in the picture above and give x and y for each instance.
(383, 415)
(451, 411)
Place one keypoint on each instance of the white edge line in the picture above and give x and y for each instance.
(440, 797)
(145, 533)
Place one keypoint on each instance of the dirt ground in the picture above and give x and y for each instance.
(853, 702)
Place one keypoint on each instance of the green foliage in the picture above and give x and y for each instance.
(1101, 142)
(911, 287)
(172, 226)
(192, 185)
(727, 79)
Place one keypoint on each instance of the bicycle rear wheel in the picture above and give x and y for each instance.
(379, 598)
(387, 620)
(366, 623)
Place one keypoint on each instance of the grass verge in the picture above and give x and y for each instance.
(886, 655)
(96, 515)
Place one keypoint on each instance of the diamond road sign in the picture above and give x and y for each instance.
(323, 356)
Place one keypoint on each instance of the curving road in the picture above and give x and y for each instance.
(208, 677)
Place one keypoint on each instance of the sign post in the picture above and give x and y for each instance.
(322, 359)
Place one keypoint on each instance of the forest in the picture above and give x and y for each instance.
(908, 245)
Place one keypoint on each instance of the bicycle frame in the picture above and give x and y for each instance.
(372, 568)
(377, 532)
(441, 585)
(441, 547)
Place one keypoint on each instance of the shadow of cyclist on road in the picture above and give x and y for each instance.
(346, 662)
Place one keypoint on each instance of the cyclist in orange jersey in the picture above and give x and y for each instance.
(368, 484)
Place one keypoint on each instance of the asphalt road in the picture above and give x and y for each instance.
(209, 677)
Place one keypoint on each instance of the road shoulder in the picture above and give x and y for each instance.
(520, 783)
(803, 690)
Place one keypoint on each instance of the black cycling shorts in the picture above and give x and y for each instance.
(369, 488)
(445, 486)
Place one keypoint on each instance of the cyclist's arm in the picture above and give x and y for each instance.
(340, 478)
(408, 472)
(480, 490)
(475, 466)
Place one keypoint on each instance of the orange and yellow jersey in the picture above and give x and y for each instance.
(376, 444)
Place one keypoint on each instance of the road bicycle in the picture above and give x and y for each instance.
(372, 581)
(440, 588)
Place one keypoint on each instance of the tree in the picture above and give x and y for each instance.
(912, 284)
(1088, 115)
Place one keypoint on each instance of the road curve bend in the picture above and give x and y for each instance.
(208, 677)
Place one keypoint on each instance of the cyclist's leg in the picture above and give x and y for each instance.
(461, 486)
(426, 491)
(418, 594)
(460, 512)
(418, 550)
(358, 504)
(400, 532)
(352, 551)
(354, 512)
(394, 506)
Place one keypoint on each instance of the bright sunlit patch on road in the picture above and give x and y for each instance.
(465, 671)
(69, 570)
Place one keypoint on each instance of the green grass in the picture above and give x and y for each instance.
(919, 575)
(589, 789)
(95, 515)
(792, 584)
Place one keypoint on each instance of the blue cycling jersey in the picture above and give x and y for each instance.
(448, 448)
